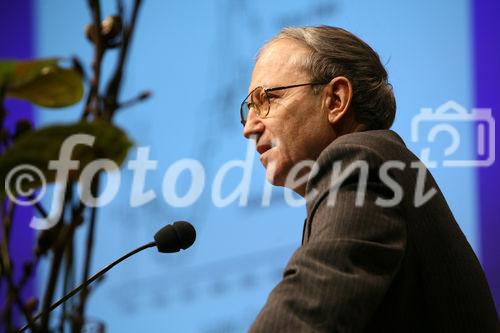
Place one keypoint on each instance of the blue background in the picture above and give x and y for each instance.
(197, 58)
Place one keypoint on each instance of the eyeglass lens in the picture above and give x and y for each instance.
(258, 102)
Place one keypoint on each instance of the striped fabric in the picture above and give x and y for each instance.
(378, 269)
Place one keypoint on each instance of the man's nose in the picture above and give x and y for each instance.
(254, 126)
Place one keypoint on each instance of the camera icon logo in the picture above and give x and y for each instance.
(450, 118)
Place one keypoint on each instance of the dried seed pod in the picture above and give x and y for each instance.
(31, 304)
(111, 31)
(89, 33)
(111, 27)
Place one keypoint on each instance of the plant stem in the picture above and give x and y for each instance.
(69, 255)
(7, 215)
(65, 232)
(111, 99)
(14, 295)
(92, 104)
(88, 253)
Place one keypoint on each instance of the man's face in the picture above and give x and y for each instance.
(296, 128)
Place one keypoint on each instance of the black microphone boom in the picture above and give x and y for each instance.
(170, 238)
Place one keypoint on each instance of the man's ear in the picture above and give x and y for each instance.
(337, 98)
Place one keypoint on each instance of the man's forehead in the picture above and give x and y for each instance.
(279, 63)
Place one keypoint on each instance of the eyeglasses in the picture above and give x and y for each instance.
(259, 101)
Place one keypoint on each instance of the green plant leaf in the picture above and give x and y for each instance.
(43, 82)
(26, 71)
(39, 147)
(7, 67)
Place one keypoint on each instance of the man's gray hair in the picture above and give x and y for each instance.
(337, 52)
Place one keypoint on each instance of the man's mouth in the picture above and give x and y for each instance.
(262, 148)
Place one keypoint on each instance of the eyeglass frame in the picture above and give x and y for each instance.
(243, 121)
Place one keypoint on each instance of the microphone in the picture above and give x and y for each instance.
(171, 238)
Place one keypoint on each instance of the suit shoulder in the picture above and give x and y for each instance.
(375, 145)
(370, 145)
(375, 139)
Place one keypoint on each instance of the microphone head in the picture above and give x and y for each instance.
(173, 237)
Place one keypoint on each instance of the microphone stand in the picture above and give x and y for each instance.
(88, 282)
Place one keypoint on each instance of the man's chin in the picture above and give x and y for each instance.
(275, 182)
(275, 176)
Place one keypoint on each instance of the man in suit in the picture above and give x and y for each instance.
(381, 250)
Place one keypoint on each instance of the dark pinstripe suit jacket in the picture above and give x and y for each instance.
(375, 269)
